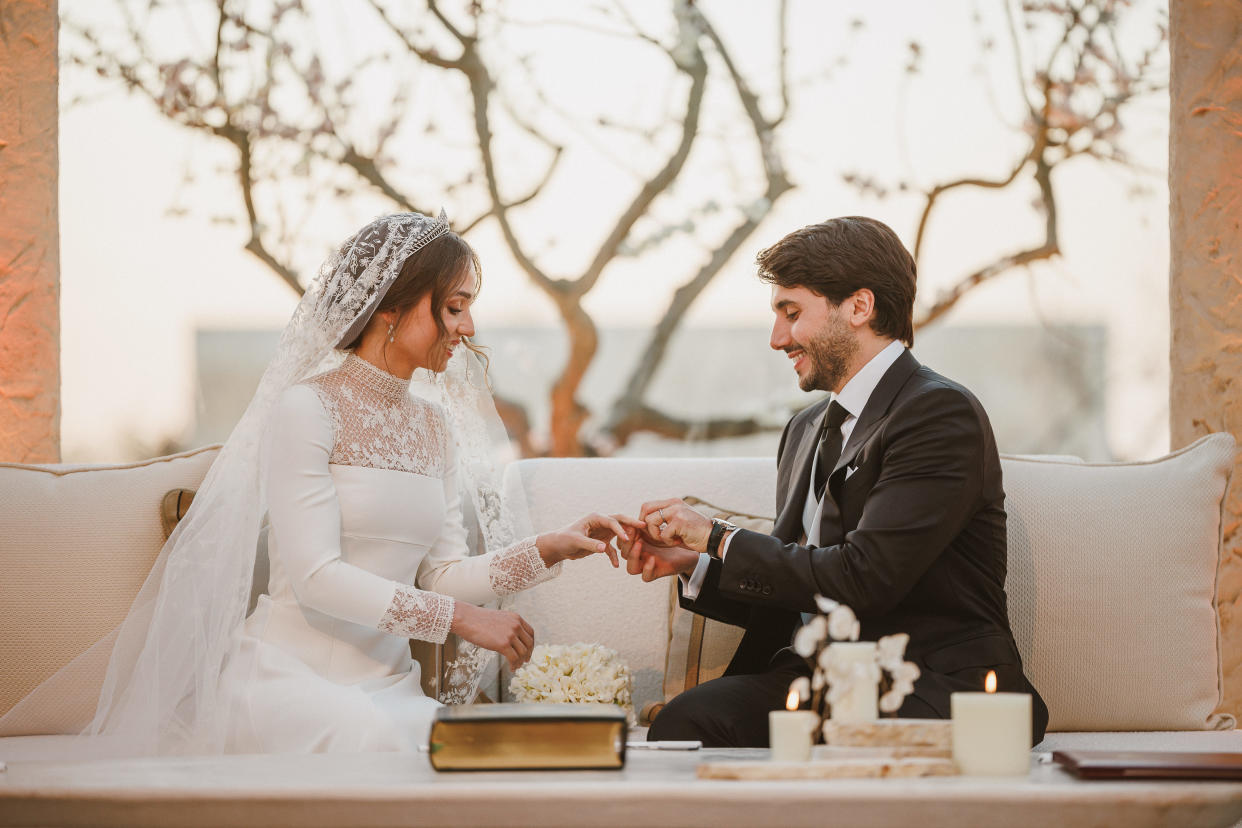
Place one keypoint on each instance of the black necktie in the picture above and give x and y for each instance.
(829, 451)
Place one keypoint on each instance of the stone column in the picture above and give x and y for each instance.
(1205, 284)
(29, 236)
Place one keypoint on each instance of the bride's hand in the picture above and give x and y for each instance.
(501, 632)
(587, 536)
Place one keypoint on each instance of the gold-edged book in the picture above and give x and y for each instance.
(528, 737)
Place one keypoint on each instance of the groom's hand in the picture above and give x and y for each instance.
(674, 523)
(651, 559)
(662, 546)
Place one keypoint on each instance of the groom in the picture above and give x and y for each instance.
(889, 500)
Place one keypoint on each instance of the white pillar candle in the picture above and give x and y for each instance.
(860, 703)
(991, 732)
(790, 732)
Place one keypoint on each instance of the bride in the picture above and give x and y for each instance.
(367, 544)
(361, 480)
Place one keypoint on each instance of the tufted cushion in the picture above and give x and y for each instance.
(78, 543)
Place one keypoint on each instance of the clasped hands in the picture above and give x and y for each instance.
(665, 539)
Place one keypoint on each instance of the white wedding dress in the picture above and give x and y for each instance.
(367, 549)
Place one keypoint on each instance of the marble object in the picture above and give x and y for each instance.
(933, 733)
(862, 767)
(654, 788)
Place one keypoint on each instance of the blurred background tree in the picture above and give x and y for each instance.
(496, 108)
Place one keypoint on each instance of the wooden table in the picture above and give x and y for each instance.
(655, 788)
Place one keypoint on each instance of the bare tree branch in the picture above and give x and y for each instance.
(241, 141)
(658, 183)
(643, 418)
(640, 379)
(940, 189)
(425, 54)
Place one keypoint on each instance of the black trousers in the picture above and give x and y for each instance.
(732, 711)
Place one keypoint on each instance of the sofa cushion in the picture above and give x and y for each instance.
(78, 543)
(1112, 586)
(592, 602)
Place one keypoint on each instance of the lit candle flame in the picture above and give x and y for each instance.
(791, 703)
(989, 684)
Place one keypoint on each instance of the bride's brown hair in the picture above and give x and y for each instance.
(438, 269)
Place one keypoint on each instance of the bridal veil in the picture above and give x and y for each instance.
(159, 693)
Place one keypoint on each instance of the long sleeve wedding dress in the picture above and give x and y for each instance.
(367, 549)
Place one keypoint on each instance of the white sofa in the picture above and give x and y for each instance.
(1112, 582)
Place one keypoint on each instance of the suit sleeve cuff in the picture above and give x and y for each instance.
(691, 585)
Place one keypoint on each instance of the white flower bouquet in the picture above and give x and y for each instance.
(573, 673)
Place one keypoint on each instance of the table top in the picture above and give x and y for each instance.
(655, 788)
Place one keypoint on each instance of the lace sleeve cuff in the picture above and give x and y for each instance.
(416, 613)
(519, 567)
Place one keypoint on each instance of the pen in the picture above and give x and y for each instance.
(694, 744)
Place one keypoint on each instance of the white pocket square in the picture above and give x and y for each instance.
(849, 470)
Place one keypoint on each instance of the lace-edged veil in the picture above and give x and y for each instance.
(159, 693)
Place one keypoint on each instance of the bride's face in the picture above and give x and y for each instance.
(418, 338)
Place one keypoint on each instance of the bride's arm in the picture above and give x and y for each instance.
(480, 579)
(306, 525)
(520, 565)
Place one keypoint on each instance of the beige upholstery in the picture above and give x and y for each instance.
(1112, 586)
(1112, 574)
(77, 544)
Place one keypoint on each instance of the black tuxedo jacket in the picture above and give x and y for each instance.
(912, 539)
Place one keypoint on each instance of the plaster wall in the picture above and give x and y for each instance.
(29, 238)
(1205, 284)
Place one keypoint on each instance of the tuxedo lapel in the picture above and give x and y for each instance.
(789, 522)
(877, 406)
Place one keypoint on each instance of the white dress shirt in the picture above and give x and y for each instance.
(853, 398)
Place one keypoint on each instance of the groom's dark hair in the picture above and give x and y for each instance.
(842, 255)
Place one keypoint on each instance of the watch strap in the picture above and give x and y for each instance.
(719, 528)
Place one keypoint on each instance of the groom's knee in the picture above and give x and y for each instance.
(682, 719)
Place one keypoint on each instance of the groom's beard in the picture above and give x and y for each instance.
(829, 355)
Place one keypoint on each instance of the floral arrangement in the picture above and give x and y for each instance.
(573, 673)
(833, 678)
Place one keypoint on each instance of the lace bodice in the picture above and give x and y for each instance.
(377, 424)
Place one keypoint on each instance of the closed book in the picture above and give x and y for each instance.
(528, 737)
(1151, 764)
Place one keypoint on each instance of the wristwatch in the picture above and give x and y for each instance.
(720, 528)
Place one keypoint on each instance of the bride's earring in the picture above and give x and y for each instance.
(391, 336)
